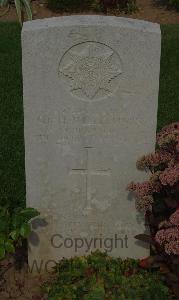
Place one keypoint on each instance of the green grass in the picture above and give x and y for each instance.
(12, 175)
(169, 76)
(12, 178)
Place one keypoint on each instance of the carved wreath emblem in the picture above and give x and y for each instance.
(90, 70)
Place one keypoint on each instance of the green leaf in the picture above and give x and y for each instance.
(145, 238)
(97, 294)
(17, 220)
(25, 230)
(2, 252)
(29, 213)
(1, 241)
(4, 3)
(14, 234)
(9, 246)
(3, 224)
(28, 9)
(2, 237)
(18, 10)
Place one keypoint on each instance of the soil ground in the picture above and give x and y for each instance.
(21, 284)
(149, 10)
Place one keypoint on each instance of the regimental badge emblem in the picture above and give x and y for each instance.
(90, 70)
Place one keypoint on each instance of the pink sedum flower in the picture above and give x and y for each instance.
(164, 181)
(160, 237)
(169, 135)
(167, 235)
(144, 204)
(141, 189)
(172, 248)
(154, 159)
(169, 129)
(169, 238)
(170, 175)
(146, 188)
(174, 218)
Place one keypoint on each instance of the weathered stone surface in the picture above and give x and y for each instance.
(90, 105)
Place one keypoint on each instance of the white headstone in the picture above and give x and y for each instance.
(90, 105)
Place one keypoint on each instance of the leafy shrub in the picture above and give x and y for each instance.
(129, 6)
(69, 5)
(171, 3)
(78, 5)
(174, 3)
(14, 228)
(20, 5)
(158, 198)
(99, 276)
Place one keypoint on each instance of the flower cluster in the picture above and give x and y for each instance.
(169, 237)
(172, 247)
(174, 218)
(141, 189)
(144, 192)
(170, 175)
(145, 203)
(158, 197)
(168, 149)
(153, 160)
(168, 135)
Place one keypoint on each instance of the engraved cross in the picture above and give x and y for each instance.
(88, 173)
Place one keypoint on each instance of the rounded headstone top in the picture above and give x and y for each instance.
(92, 21)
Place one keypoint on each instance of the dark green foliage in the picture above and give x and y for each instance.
(70, 5)
(14, 228)
(170, 3)
(128, 6)
(12, 177)
(168, 111)
(131, 6)
(100, 277)
(174, 3)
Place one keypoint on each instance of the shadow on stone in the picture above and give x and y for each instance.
(38, 222)
(131, 196)
(142, 244)
(34, 239)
